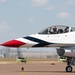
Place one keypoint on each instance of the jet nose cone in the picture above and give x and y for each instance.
(13, 43)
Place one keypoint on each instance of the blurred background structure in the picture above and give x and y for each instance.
(27, 53)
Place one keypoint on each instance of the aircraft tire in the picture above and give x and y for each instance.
(69, 69)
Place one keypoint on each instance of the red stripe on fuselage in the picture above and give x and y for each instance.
(13, 43)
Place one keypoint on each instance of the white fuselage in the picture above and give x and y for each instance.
(52, 40)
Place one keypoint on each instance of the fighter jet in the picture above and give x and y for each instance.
(60, 37)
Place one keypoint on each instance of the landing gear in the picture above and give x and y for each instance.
(69, 68)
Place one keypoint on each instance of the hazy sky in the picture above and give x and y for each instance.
(24, 17)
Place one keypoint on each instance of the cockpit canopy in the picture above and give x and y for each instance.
(57, 29)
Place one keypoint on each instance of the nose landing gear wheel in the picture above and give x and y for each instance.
(69, 69)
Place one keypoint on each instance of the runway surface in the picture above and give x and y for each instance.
(35, 69)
